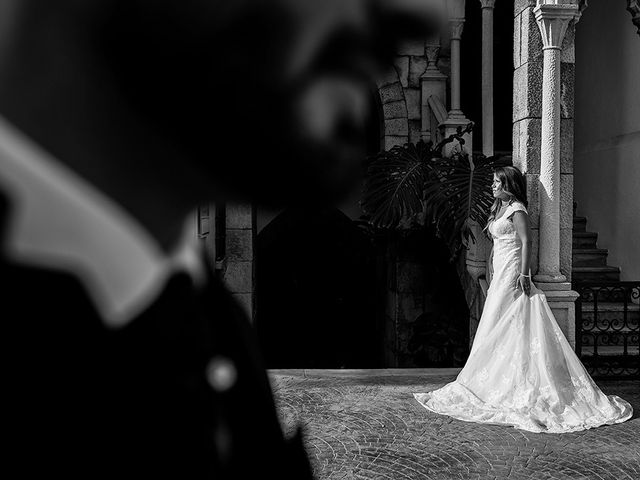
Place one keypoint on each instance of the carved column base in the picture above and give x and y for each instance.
(550, 278)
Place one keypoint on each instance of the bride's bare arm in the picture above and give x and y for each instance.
(521, 222)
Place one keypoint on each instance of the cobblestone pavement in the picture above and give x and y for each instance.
(365, 424)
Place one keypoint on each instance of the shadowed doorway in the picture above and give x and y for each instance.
(316, 291)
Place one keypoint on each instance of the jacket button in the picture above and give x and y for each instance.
(221, 373)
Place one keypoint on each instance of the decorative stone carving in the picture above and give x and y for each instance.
(553, 21)
(456, 26)
(633, 6)
(432, 51)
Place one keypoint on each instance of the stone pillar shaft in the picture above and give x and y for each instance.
(487, 76)
(552, 20)
(456, 33)
(549, 260)
(455, 118)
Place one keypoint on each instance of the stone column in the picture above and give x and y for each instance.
(456, 26)
(455, 117)
(553, 20)
(433, 83)
(528, 58)
(487, 76)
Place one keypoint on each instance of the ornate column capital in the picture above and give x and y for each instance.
(432, 51)
(553, 20)
(456, 26)
(487, 3)
(633, 6)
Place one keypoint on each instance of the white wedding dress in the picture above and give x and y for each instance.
(521, 370)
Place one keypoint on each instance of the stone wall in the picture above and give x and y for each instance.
(239, 275)
(401, 96)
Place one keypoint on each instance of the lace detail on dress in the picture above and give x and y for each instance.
(503, 226)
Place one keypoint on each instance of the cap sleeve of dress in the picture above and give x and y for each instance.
(516, 207)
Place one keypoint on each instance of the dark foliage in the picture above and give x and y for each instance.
(414, 184)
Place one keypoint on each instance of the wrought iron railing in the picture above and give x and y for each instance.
(608, 327)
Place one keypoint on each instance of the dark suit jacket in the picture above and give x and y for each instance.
(82, 400)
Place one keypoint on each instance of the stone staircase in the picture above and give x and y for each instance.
(589, 261)
(610, 322)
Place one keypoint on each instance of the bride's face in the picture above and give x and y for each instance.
(497, 189)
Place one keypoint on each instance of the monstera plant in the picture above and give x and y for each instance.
(414, 184)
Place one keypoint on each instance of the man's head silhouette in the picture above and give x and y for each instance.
(263, 100)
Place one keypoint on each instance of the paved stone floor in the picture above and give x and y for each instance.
(365, 424)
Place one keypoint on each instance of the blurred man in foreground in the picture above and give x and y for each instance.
(123, 355)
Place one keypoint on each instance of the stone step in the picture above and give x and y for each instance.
(585, 239)
(589, 257)
(595, 274)
(579, 224)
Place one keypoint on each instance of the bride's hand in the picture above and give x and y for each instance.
(524, 284)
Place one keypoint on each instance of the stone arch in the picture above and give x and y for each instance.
(395, 118)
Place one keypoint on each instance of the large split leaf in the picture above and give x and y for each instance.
(413, 183)
(395, 183)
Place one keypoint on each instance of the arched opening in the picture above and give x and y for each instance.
(316, 291)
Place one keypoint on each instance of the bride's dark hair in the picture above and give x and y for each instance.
(514, 184)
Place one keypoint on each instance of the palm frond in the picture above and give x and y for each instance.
(394, 185)
(459, 193)
(414, 182)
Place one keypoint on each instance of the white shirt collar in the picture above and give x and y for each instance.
(59, 220)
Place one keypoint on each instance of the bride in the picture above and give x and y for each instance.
(521, 370)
